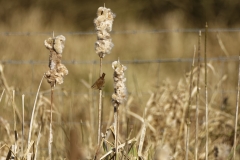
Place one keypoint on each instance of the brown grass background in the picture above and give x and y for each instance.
(72, 98)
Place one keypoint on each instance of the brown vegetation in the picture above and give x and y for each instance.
(151, 122)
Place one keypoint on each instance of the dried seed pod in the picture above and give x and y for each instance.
(103, 47)
(62, 70)
(120, 91)
(56, 70)
(103, 35)
(103, 24)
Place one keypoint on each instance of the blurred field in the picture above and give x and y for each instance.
(74, 131)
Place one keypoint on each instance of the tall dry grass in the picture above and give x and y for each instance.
(164, 114)
(152, 125)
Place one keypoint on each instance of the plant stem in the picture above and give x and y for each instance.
(23, 122)
(206, 94)
(50, 127)
(142, 136)
(51, 102)
(236, 115)
(33, 111)
(99, 116)
(197, 97)
(15, 130)
(100, 71)
(38, 140)
(188, 121)
(116, 130)
(100, 106)
(2, 95)
(91, 112)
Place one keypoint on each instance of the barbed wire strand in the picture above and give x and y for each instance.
(134, 61)
(74, 62)
(157, 31)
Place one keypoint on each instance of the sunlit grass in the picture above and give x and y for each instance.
(160, 88)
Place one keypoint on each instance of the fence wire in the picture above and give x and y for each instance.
(153, 31)
(134, 61)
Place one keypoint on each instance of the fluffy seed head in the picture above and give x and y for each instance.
(120, 91)
(103, 24)
(103, 47)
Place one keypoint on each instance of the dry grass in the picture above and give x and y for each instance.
(151, 124)
(163, 126)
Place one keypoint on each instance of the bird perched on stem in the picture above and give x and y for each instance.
(99, 83)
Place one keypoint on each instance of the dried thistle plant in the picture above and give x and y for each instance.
(55, 73)
(120, 91)
(119, 96)
(56, 70)
(103, 25)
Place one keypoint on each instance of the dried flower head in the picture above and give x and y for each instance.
(56, 43)
(103, 47)
(120, 91)
(62, 70)
(104, 18)
(103, 25)
(56, 70)
(102, 35)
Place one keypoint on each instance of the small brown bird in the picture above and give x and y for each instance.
(99, 83)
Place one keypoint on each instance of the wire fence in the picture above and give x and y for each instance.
(59, 93)
(134, 61)
(153, 31)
